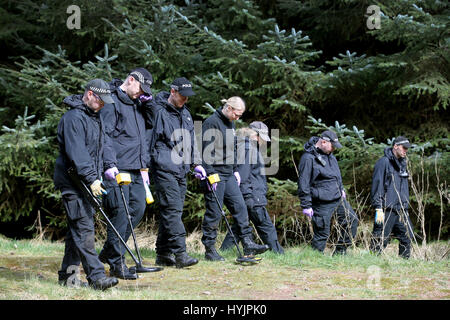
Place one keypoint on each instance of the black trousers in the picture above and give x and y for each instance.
(170, 192)
(134, 193)
(228, 193)
(80, 239)
(346, 218)
(395, 227)
(259, 216)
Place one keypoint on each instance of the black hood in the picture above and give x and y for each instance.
(162, 99)
(75, 101)
(123, 97)
(388, 153)
(115, 83)
(400, 164)
(310, 146)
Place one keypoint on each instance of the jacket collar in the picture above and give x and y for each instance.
(222, 116)
(123, 97)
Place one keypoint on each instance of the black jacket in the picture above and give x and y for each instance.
(173, 146)
(319, 176)
(81, 139)
(390, 182)
(127, 142)
(253, 179)
(219, 145)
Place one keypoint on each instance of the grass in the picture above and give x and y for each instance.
(28, 271)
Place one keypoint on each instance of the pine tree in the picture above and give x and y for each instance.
(292, 61)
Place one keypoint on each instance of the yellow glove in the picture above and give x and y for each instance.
(96, 188)
(379, 216)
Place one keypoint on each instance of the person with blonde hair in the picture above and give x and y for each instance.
(219, 157)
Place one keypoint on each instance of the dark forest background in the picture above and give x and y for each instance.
(301, 67)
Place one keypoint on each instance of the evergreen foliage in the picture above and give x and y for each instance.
(299, 65)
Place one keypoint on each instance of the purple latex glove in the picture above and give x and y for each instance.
(238, 177)
(344, 196)
(111, 173)
(145, 177)
(200, 172)
(145, 97)
(308, 212)
(213, 186)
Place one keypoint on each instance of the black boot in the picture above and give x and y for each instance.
(184, 260)
(251, 248)
(121, 271)
(103, 283)
(212, 255)
(165, 259)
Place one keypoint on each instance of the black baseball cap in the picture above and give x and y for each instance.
(144, 77)
(332, 137)
(101, 88)
(400, 140)
(183, 86)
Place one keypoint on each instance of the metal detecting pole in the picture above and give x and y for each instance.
(124, 179)
(240, 259)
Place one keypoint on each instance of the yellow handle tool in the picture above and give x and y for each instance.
(214, 178)
(123, 178)
(148, 194)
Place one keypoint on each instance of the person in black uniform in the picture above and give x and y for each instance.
(173, 153)
(254, 185)
(219, 157)
(126, 151)
(81, 139)
(322, 193)
(390, 198)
